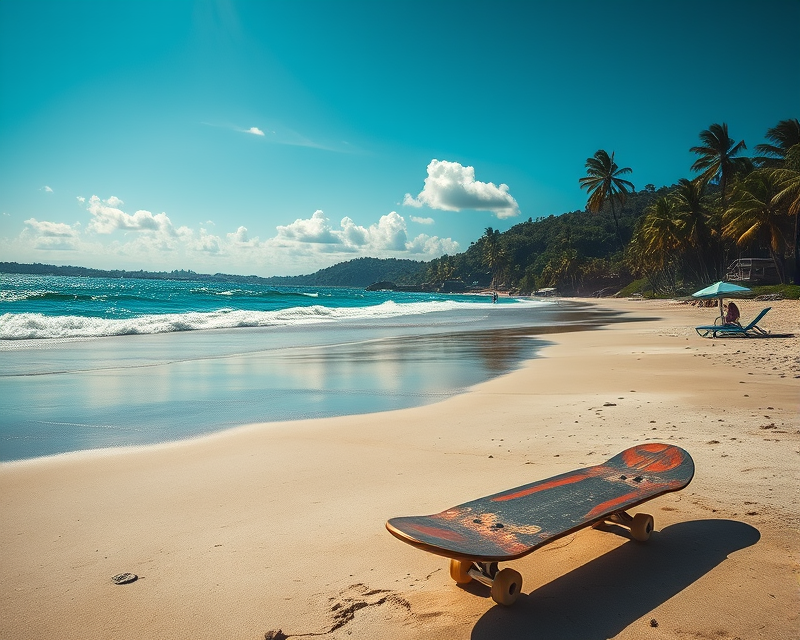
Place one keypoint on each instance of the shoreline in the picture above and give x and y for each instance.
(170, 387)
(280, 526)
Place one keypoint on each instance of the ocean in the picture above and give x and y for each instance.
(90, 363)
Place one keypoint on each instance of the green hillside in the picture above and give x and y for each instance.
(359, 273)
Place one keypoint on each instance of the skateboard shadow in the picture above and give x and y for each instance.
(601, 598)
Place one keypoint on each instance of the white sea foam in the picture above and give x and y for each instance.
(26, 326)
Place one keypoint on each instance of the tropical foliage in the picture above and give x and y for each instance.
(673, 238)
(603, 183)
(782, 137)
(736, 206)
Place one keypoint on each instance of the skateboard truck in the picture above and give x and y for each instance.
(640, 525)
(484, 572)
(505, 584)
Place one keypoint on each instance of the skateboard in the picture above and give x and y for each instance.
(506, 526)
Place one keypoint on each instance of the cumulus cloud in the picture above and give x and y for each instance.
(387, 236)
(107, 217)
(50, 235)
(51, 229)
(353, 234)
(389, 233)
(419, 220)
(316, 230)
(432, 245)
(240, 238)
(152, 241)
(255, 131)
(451, 186)
(206, 243)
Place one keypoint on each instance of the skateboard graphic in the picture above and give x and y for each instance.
(505, 526)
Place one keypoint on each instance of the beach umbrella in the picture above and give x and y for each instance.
(720, 290)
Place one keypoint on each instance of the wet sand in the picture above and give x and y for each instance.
(58, 396)
(281, 526)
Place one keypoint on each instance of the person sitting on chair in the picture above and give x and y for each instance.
(732, 314)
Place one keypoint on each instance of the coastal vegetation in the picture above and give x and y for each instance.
(354, 273)
(664, 241)
(655, 241)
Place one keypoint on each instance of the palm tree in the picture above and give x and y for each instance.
(758, 212)
(661, 232)
(656, 245)
(718, 157)
(603, 184)
(562, 269)
(784, 135)
(492, 253)
(692, 212)
(790, 195)
(442, 269)
(718, 161)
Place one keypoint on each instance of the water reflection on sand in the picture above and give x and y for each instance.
(145, 389)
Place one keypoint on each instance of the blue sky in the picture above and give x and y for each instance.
(280, 137)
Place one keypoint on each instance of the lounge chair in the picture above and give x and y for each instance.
(752, 330)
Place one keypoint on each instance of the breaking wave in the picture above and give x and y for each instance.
(26, 326)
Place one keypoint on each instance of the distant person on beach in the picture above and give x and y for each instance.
(732, 314)
(494, 296)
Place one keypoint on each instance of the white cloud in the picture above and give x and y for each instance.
(240, 238)
(49, 235)
(114, 238)
(107, 218)
(47, 189)
(432, 245)
(255, 131)
(451, 186)
(51, 229)
(316, 230)
(387, 237)
(389, 233)
(353, 234)
(410, 201)
(206, 243)
(419, 220)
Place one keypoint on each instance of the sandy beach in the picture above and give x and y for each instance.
(277, 530)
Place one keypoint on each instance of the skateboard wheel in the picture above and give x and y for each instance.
(642, 527)
(506, 587)
(459, 571)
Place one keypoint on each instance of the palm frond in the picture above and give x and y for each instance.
(785, 135)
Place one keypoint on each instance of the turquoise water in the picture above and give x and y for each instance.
(59, 307)
(88, 363)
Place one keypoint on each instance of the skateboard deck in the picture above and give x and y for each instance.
(511, 524)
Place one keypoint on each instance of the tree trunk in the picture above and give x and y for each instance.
(796, 278)
(779, 264)
(616, 224)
